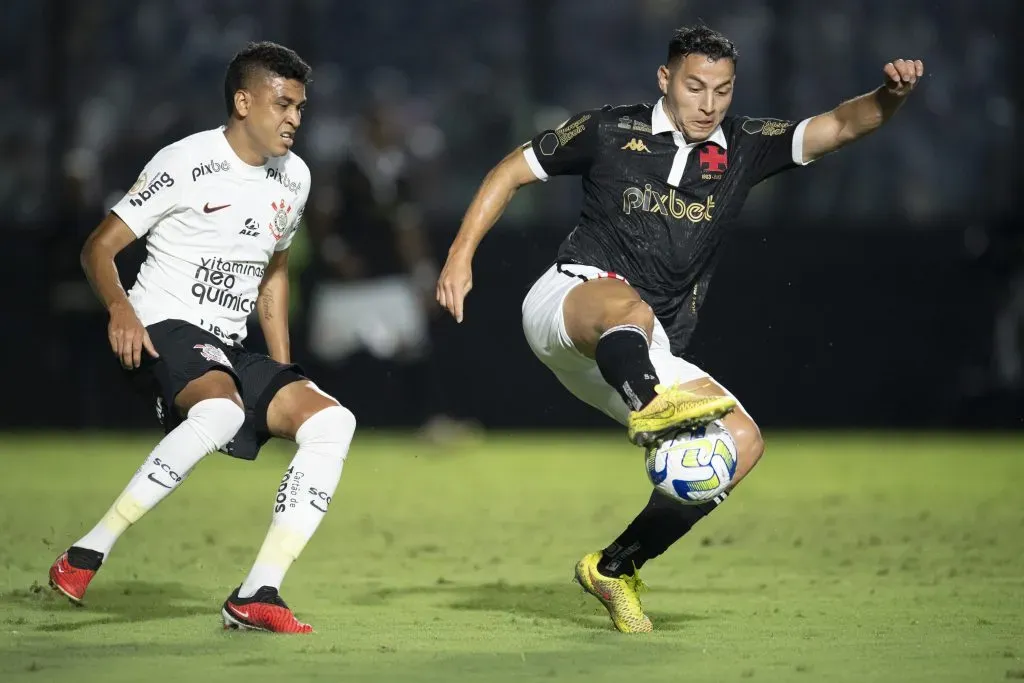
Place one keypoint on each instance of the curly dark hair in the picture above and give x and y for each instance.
(263, 56)
(700, 40)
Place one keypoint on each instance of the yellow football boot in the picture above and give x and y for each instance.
(674, 408)
(618, 595)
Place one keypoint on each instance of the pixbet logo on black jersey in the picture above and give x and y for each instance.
(143, 190)
(210, 168)
(671, 204)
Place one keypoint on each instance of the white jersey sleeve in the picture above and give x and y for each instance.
(300, 207)
(156, 193)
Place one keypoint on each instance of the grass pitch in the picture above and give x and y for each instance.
(842, 558)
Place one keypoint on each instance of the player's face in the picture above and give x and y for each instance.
(276, 113)
(697, 92)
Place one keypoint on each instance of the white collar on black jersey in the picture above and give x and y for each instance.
(661, 124)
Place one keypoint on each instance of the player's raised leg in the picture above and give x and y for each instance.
(611, 575)
(323, 430)
(608, 321)
(213, 413)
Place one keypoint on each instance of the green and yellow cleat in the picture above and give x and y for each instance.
(618, 595)
(674, 408)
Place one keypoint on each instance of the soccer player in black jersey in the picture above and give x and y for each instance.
(611, 316)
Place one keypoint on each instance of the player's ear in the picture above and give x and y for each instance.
(663, 78)
(243, 102)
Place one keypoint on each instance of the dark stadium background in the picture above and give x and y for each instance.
(883, 286)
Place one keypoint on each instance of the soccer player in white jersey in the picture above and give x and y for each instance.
(219, 210)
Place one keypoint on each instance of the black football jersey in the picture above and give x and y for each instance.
(655, 208)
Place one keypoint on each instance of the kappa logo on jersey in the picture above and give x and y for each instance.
(209, 169)
(286, 182)
(713, 160)
(670, 204)
(279, 225)
(250, 229)
(143, 190)
(213, 354)
(635, 145)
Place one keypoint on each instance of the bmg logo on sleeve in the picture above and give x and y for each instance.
(142, 191)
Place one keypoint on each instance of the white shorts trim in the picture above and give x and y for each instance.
(544, 327)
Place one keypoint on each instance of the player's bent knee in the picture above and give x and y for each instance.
(634, 312)
(637, 313)
(749, 442)
(216, 421)
(756, 445)
(594, 307)
(329, 431)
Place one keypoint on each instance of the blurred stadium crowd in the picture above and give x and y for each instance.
(421, 99)
(101, 85)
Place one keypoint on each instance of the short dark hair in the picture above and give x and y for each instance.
(700, 40)
(263, 56)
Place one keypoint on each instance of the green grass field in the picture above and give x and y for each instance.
(842, 558)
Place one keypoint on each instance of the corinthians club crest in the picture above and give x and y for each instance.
(279, 225)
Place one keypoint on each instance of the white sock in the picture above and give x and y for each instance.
(302, 498)
(210, 424)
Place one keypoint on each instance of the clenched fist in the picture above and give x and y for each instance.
(901, 75)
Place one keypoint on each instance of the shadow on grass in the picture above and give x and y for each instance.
(565, 602)
(121, 603)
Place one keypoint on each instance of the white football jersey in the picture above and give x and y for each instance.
(213, 222)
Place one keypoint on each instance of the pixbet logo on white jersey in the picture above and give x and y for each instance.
(209, 168)
(282, 177)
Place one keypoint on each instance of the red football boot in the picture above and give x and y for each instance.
(264, 611)
(73, 570)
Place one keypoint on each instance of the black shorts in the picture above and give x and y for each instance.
(188, 352)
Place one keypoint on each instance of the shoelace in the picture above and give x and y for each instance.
(635, 583)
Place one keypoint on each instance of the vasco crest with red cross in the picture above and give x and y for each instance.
(713, 159)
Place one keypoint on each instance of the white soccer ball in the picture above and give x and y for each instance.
(693, 466)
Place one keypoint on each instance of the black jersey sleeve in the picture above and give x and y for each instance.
(773, 145)
(568, 149)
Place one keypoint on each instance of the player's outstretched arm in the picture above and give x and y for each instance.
(488, 205)
(127, 335)
(856, 118)
(272, 304)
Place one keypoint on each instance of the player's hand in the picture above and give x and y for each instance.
(901, 75)
(454, 283)
(127, 336)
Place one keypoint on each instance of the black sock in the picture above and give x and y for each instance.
(623, 356)
(659, 525)
(84, 558)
